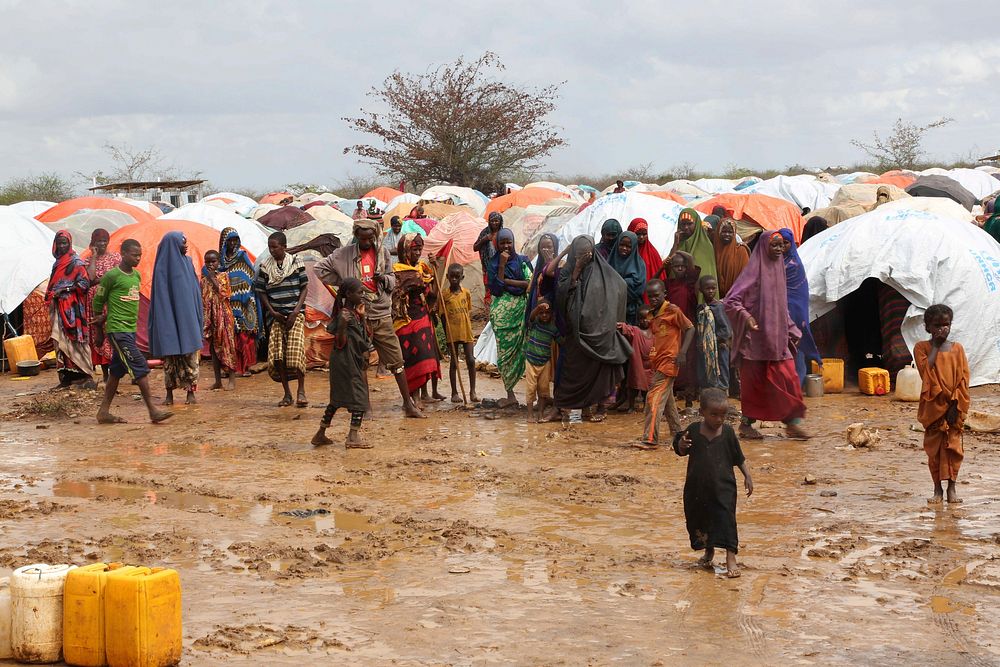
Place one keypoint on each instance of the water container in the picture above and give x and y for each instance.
(83, 613)
(19, 348)
(814, 385)
(5, 650)
(873, 381)
(833, 375)
(908, 384)
(142, 618)
(36, 594)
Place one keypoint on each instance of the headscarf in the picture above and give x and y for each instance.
(730, 258)
(760, 292)
(610, 225)
(798, 295)
(513, 269)
(698, 245)
(649, 254)
(175, 307)
(541, 285)
(633, 271)
(239, 268)
(814, 226)
(992, 225)
(372, 226)
(99, 234)
(408, 276)
(593, 322)
(276, 273)
(712, 221)
(69, 272)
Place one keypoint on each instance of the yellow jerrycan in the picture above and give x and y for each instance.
(83, 613)
(142, 618)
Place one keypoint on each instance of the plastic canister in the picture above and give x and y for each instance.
(5, 650)
(142, 618)
(36, 594)
(814, 385)
(83, 613)
(908, 384)
(19, 348)
(833, 375)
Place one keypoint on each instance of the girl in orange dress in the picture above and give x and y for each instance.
(220, 326)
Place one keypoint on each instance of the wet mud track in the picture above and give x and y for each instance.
(463, 539)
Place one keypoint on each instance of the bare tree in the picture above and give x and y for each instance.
(130, 164)
(901, 149)
(457, 124)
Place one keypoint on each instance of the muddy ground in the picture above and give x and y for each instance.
(465, 539)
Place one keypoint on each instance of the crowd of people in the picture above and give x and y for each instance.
(591, 327)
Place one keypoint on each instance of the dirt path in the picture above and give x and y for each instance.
(463, 539)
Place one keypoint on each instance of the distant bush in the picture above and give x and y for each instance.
(48, 186)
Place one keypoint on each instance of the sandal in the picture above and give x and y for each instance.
(597, 417)
(733, 574)
(285, 402)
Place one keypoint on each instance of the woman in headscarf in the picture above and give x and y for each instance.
(543, 285)
(66, 297)
(798, 305)
(486, 246)
(176, 317)
(609, 234)
(693, 239)
(649, 254)
(591, 298)
(509, 279)
(731, 256)
(411, 300)
(101, 261)
(814, 226)
(626, 262)
(220, 329)
(235, 262)
(992, 224)
(764, 339)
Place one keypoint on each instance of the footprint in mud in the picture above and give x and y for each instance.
(944, 617)
(248, 639)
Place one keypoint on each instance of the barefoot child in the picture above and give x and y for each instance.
(348, 364)
(713, 336)
(458, 327)
(944, 399)
(119, 289)
(640, 373)
(220, 327)
(542, 333)
(710, 487)
(672, 335)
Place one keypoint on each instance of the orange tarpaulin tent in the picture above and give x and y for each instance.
(71, 206)
(276, 197)
(898, 178)
(766, 212)
(384, 194)
(523, 198)
(669, 196)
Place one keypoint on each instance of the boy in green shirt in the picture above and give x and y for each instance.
(119, 290)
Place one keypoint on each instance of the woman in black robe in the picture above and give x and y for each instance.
(591, 298)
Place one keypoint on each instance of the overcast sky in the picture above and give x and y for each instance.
(252, 92)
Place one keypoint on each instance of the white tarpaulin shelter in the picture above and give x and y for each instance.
(253, 235)
(33, 208)
(803, 192)
(457, 194)
(977, 182)
(661, 214)
(239, 204)
(25, 257)
(928, 259)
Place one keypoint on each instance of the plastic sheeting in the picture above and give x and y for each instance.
(25, 257)
(253, 236)
(460, 195)
(625, 207)
(767, 212)
(83, 223)
(977, 182)
(464, 229)
(237, 203)
(928, 259)
(32, 208)
(486, 346)
(803, 192)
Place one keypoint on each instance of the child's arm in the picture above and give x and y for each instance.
(340, 335)
(538, 310)
(682, 443)
(747, 480)
(682, 355)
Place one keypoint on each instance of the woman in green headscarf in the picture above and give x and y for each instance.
(693, 239)
(992, 225)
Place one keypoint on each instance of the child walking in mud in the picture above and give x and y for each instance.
(640, 372)
(348, 364)
(944, 400)
(457, 302)
(220, 326)
(710, 487)
(713, 336)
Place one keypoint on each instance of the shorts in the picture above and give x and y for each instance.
(386, 343)
(126, 357)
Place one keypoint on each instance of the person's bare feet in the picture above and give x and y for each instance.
(231, 384)
(748, 432)
(552, 415)
(216, 386)
(473, 398)
(412, 411)
(160, 416)
(952, 496)
(455, 398)
(320, 440)
(937, 498)
(108, 418)
(437, 396)
(191, 399)
(167, 401)
(354, 441)
(796, 432)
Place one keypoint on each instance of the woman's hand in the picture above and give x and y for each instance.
(752, 323)
(748, 485)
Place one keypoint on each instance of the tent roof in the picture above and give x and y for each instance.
(767, 212)
(25, 257)
(70, 206)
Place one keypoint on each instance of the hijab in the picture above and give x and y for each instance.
(814, 226)
(633, 271)
(730, 258)
(175, 307)
(69, 272)
(698, 245)
(649, 254)
(239, 268)
(99, 234)
(593, 322)
(798, 295)
(542, 286)
(513, 269)
(610, 225)
(760, 292)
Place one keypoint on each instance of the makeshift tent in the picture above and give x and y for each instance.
(897, 178)
(942, 186)
(625, 207)
(942, 206)
(25, 257)
(855, 177)
(253, 235)
(523, 198)
(70, 206)
(474, 199)
(149, 207)
(525, 222)
(383, 194)
(284, 218)
(980, 184)
(83, 223)
(685, 188)
(837, 214)
(348, 206)
(432, 210)
(864, 194)
(765, 212)
(326, 212)
(927, 259)
(32, 208)
(329, 197)
(558, 187)
(262, 210)
(805, 192)
(239, 204)
(716, 186)
(665, 194)
(407, 198)
(305, 233)
(278, 198)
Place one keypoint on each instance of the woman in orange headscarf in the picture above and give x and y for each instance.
(731, 256)
(650, 256)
